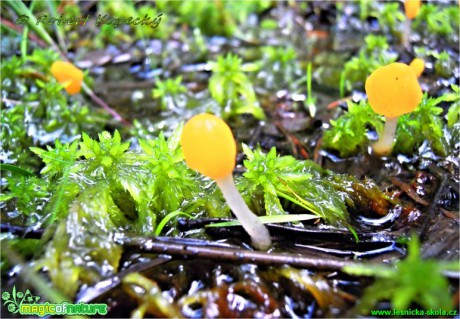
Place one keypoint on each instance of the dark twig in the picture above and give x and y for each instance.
(305, 234)
(336, 103)
(297, 146)
(409, 191)
(316, 151)
(186, 249)
(451, 215)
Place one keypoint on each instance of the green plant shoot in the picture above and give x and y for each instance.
(232, 89)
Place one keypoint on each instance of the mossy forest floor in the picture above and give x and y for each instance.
(98, 205)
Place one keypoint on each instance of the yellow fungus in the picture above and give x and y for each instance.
(392, 90)
(209, 147)
(412, 7)
(67, 73)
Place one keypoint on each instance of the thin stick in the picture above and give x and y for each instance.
(187, 250)
(104, 105)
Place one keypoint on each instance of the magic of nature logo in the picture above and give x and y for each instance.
(25, 303)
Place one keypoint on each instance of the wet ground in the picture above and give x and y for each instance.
(208, 272)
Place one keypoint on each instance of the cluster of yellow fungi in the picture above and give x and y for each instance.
(209, 146)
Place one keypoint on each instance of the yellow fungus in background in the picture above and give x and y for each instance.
(412, 7)
(67, 73)
(418, 66)
(208, 146)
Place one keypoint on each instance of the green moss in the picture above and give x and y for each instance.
(36, 111)
(411, 281)
(437, 20)
(424, 124)
(212, 18)
(168, 92)
(301, 182)
(82, 249)
(348, 134)
(232, 89)
(375, 53)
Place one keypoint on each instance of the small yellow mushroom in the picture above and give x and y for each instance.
(67, 73)
(412, 7)
(392, 90)
(209, 148)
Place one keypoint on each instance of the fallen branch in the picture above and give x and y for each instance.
(186, 248)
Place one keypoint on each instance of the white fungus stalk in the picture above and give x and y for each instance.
(406, 31)
(385, 143)
(253, 226)
(209, 147)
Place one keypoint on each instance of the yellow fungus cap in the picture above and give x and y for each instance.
(412, 7)
(208, 146)
(66, 72)
(418, 66)
(393, 90)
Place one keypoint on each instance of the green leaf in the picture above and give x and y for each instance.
(107, 152)
(57, 160)
(174, 139)
(453, 115)
(167, 218)
(381, 271)
(15, 169)
(5, 197)
(273, 219)
(106, 161)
